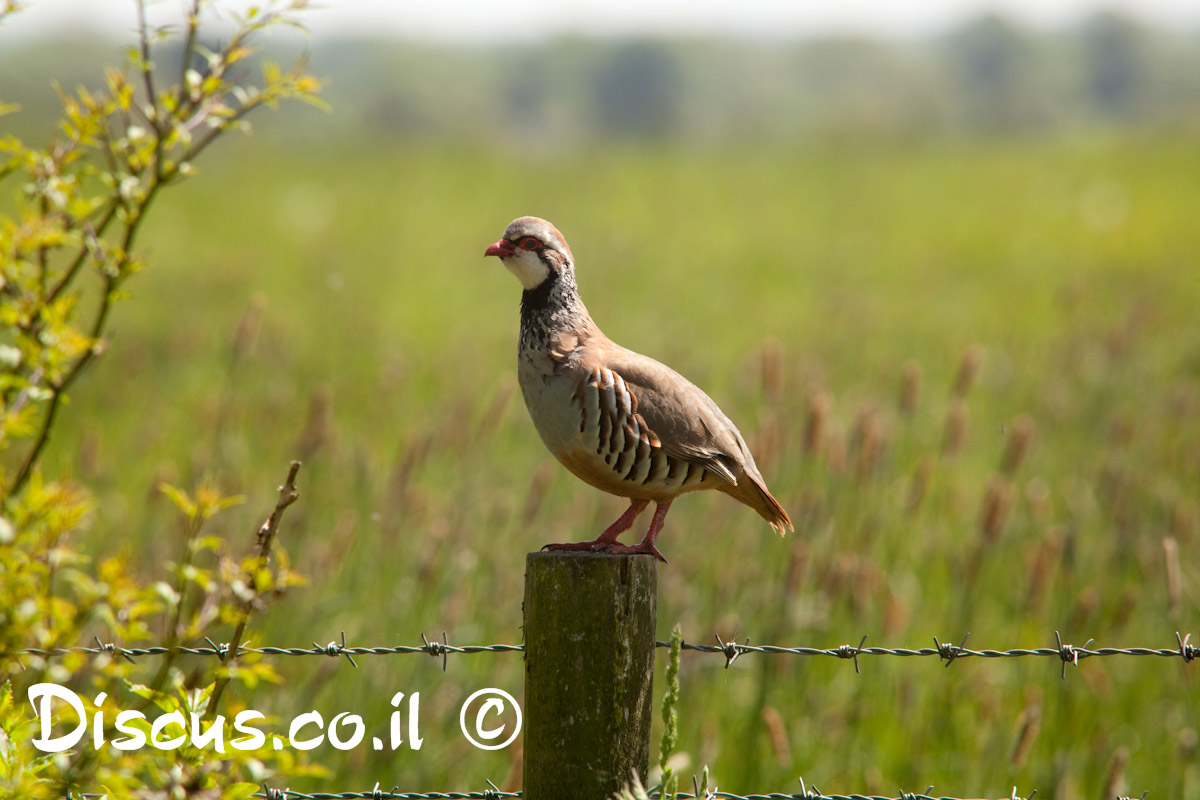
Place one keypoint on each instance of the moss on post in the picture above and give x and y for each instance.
(589, 672)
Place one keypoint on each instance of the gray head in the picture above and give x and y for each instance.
(533, 250)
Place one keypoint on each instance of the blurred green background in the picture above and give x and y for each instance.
(947, 288)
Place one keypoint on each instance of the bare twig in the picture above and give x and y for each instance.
(266, 539)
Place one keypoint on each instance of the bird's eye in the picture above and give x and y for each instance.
(530, 243)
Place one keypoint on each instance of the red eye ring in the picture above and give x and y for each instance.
(529, 243)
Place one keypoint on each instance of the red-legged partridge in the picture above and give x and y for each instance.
(619, 420)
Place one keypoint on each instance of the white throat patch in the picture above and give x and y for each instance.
(528, 268)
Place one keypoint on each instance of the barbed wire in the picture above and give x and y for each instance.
(493, 793)
(222, 650)
(947, 652)
(376, 794)
(288, 794)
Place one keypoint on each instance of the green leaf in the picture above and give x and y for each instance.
(239, 790)
(180, 498)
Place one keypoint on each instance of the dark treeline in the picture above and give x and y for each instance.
(988, 77)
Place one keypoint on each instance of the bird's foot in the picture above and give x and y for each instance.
(642, 548)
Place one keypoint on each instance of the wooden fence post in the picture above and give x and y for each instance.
(589, 672)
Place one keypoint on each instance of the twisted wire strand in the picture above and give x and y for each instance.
(946, 652)
(269, 793)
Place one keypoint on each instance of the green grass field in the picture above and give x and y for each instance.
(333, 304)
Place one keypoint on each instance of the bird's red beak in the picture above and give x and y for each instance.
(501, 249)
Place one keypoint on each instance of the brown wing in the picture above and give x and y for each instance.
(685, 419)
(657, 431)
(626, 453)
(690, 424)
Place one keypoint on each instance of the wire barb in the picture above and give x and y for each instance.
(110, 648)
(948, 651)
(846, 651)
(731, 649)
(335, 649)
(1071, 654)
(436, 649)
(806, 793)
(1187, 651)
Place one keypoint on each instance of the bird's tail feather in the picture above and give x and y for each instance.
(753, 493)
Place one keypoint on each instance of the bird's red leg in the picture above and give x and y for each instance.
(609, 537)
(646, 546)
